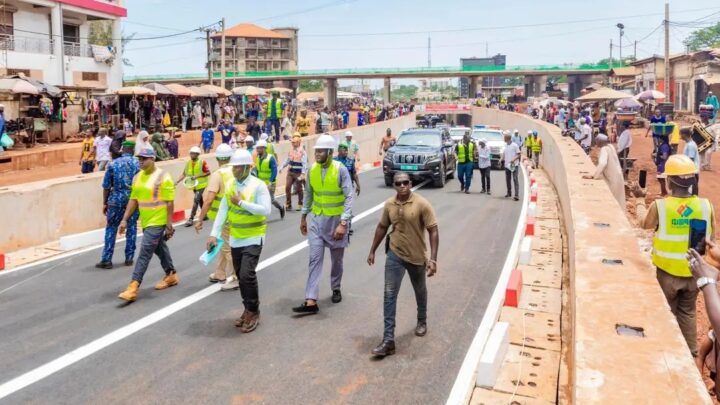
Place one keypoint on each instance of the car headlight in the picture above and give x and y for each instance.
(432, 156)
(389, 155)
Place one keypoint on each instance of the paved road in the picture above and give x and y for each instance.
(196, 355)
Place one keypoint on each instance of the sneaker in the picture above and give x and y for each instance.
(104, 265)
(488, 191)
(168, 281)
(421, 328)
(188, 223)
(483, 191)
(337, 296)
(299, 208)
(230, 284)
(251, 322)
(507, 196)
(467, 191)
(516, 198)
(282, 212)
(129, 262)
(306, 309)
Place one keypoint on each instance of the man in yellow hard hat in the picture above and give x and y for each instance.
(670, 218)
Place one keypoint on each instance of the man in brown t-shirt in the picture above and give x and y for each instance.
(410, 216)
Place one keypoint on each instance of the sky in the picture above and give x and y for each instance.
(394, 33)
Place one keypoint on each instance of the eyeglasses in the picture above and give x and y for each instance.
(402, 183)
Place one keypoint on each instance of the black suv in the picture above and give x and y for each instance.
(423, 153)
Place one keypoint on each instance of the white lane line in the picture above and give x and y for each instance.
(465, 380)
(52, 367)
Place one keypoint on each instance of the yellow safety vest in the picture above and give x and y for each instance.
(270, 149)
(461, 152)
(226, 175)
(328, 197)
(196, 170)
(528, 141)
(146, 189)
(536, 145)
(670, 243)
(242, 223)
(278, 109)
(264, 172)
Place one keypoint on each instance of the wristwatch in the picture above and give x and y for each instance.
(703, 281)
(343, 222)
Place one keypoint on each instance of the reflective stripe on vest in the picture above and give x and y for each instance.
(263, 168)
(328, 196)
(536, 145)
(148, 195)
(463, 154)
(242, 223)
(278, 108)
(670, 243)
(295, 158)
(196, 170)
(225, 177)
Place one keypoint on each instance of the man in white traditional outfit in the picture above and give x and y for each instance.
(608, 168)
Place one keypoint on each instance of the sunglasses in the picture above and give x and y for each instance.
(402, 183)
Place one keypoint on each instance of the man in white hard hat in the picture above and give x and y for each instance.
(352, 147)
(244, 208)
(269, 148)
(266, 169)
(198, 171)
(329, 199)
(215, 192)
(517, 139)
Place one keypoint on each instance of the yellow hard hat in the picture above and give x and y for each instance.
(680, 165)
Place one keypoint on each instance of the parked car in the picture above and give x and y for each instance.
(423, 153)
(495, 142)
(457, 133)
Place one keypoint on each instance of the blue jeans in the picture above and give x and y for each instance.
(465, 172)
(395, 268)
(87, 166)
(153, 241)
(114, 216)
(273, 123)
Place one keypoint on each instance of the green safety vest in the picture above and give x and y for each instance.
(462, 152)
(196, 170)
(263, 168)
(226, 175)
(278, 109)
(670, 243)
(536, 145)
(328, 197)
(242, 223)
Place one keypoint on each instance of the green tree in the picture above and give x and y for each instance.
(311, 85)
(404, 92)
(626, 60)
(708, 37)
(101, 33)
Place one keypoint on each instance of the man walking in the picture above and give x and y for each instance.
(353, 149)
(87, 153)
(608, 168)
(349, 163)
(266, 170)
(528, 144)
(329, 198)
(153, 194)
(297, 160)
(623, 146)
(691, 150)
(386, 142)
(466, 158)
(215, 192)
(244, 209)
(198, 171)
(410, 215)
(670, 218)
(102, 149)
(484, 164)
(117, 184)
(516, 138)
(537, 149)
(273, 114)
(511, 157)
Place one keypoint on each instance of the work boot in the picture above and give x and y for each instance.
(230, 284)
(104, 265)
(239, 322)
(385, 348)
(337, 296)
(168, 281)
(131, 293)
(251, 322)
(129, 262)
(421, 328)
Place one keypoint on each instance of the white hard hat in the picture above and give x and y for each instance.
(348, 133)
(263, 136)
(325, 142)
(261, 143)
(241, 157)
(223, 151)
(482, 140)
(506, 132)
(249, 139)
(516, 131)
(529, 131)
(195, 149)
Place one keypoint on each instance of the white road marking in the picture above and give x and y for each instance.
(52, 367)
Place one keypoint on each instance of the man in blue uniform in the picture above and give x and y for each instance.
(343, 158)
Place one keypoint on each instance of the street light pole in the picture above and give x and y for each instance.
(621, 27)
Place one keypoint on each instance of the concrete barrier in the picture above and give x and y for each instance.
(493, 355)
(603, 366)
(44, 211)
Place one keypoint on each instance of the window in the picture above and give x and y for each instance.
(6, 23)
(71, 33)
(681, 96)
(90, 76)
(12, 72)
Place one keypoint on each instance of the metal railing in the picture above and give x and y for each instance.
(23, 44)
(77, 49)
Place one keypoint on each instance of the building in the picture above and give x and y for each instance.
(487, 82)
(48, 40)
(250, 48)
(622, 77)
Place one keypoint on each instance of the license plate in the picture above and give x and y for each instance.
(408, 167)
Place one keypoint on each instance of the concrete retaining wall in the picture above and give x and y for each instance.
(605, 367)
(40, 212)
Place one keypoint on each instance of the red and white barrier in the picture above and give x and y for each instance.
(492, 356)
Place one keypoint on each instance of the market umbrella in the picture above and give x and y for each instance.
(220, 91)
(627, 103)
(135, 91)
(651, 95)
(160, 89)
(604, 94)
(281, 90)
(179, 90)
(198, 91)
(17, 86)
(249, 91)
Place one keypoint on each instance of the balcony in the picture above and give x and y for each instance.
(29, 45)
(77, 49)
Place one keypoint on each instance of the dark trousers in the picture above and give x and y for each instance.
(485, 178)
(274, 123)
(696, 186)
(153, 241)
(197, 203)
(395, 268)
(623, 156)
(514, 174)
(87, 166)
(464, 173)
(681, 295)
(245, 260)
(114, 217)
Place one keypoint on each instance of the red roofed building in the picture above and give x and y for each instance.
(249, 48)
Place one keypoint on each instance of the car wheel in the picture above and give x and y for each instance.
(440, 180)
(388, 180)
(452, 172)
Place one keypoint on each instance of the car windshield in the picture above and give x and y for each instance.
(488, 135)
(458, 132)
(430, 139)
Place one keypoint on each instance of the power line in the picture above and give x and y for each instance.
(164, 45)
(306, 10)
(151, 25)
(120, 39)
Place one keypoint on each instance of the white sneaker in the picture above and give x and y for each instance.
(230, 284)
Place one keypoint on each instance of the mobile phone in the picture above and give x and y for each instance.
(698, 231)
(643, 178)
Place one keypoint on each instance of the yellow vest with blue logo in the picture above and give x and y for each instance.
(670, 244)
(328, 196)
(461, 152)
(226, 176)
(196, 170)
(278, 109)
(242, 223)
(264, 172)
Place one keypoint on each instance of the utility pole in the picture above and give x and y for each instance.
(429, 47)
(667, 52)
(222, 53)
(635, 50)
(209, 53)
(611, 61)
(620, 28)
(487, 53)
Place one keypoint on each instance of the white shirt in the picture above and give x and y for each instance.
(625, 140)
(511, 152)
(102, 151)
(586, 130)
(484, 157)
(261, 206)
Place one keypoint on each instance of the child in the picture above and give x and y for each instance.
(707, 357)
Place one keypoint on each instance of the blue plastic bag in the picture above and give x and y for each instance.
(5, 141)
(208, 257)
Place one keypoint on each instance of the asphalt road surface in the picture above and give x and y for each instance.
(197, 355)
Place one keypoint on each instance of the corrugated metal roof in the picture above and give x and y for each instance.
(251, 31)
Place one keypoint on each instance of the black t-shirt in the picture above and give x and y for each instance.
(253, 130)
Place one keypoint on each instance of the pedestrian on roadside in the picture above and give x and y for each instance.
(661, 156)
(244, 209)
(87, 153)
(386, 142)
(353, 148)
(153, 194)
(207, 138)
(344, 158)
(484, 164)
(158, 145)
(623, 146)
(302, 125)
(511, 157)
(329, 198)
(466, 159)
(116, 145)
(411, 216)
(324, 120)
(269, 148)
(517, 139)
(266, 170)
(117, 184)
(669, 217)
(608, 168)
(691, 150)
(585, 135)
(536, 149)
(253, 129)
(528, 144)
(198, 172)
(274, 112)
(142, 141)
(298, 163)
(102, 149)
(215, 193)
(172, 146)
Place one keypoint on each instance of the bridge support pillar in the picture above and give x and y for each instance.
(473, 86)
(386, 91)
(576, 83)
(331, 93)
(535, 85)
